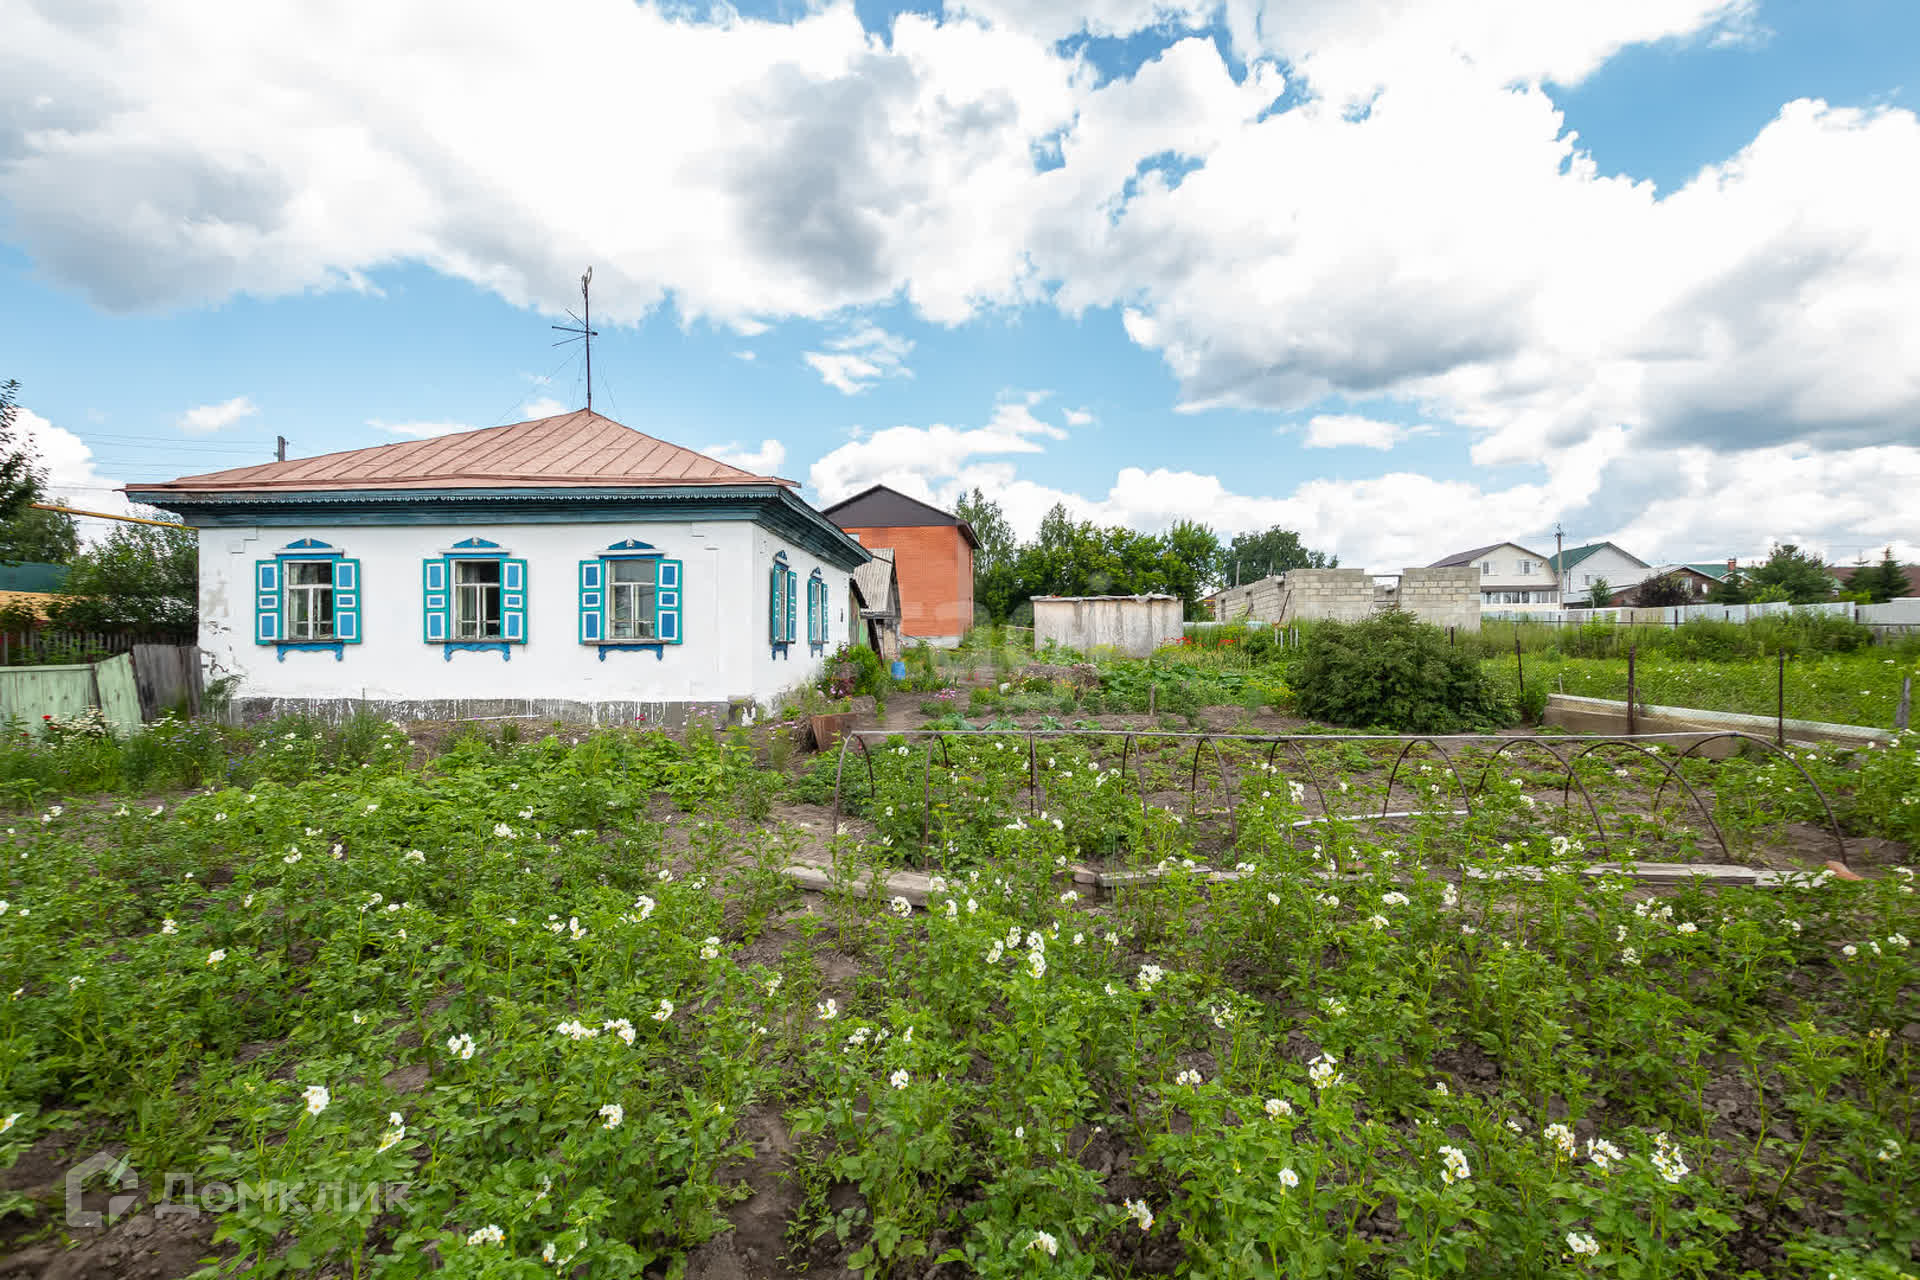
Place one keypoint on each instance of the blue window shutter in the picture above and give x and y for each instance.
(266, 601)
(346, 601)
(513, 601)
(593, 587)
(793, 581)
(775, 631)
(436, 597)
(667, 600)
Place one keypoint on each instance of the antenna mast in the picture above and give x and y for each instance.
(582, 330)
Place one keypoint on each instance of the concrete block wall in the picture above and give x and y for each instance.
(1344, 595)
(1446, 597)
(1257, 601)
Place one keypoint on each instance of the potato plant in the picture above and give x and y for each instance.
(553, 989)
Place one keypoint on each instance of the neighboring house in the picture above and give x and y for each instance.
(877, 586)
(1698, 583)
(1578, 568)
(1714, 569)
(1843, 573)
(1510, 575)
(933, 554)
(568, 567)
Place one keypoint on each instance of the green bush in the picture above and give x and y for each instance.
(1395, 672)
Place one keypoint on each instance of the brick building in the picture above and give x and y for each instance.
(933, 555)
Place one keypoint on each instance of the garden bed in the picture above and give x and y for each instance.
(567, 996)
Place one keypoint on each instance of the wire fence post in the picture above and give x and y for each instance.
(1903, 714)
(1519, 668)
(1780, 705)
(1633, 694)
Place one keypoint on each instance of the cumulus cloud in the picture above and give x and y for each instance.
(1337, 430)
(1410, 222)
(1077, 417)
(857, 360)
(73, 476)
(207, 418)
(1690, 504)
(764, 461)
(419, 430)
(924, 460)
(543, 407)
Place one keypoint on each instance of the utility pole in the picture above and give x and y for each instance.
(1559, 564)
(280, 449)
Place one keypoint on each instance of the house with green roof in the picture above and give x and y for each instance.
(1578, 568)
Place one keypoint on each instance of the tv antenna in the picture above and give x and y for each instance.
(582, 330)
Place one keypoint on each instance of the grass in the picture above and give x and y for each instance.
(1856, 688)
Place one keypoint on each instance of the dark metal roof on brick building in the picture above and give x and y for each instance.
(878, 507)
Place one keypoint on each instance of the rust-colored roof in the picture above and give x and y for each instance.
(579, 449)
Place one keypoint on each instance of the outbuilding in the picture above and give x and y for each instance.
(569, 567)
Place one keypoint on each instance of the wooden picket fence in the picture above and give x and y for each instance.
(53, 646)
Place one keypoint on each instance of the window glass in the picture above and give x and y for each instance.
(634, 614)
(476, 599)
(309, 599)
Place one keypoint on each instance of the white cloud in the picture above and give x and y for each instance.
(189, 153)
(73, 477)
(1077, 417)
(764, 461)
(543, 407)
(419, 430)
(1449, 246)
(855, 361)
(207, 418)
(1348, 48)
(1337, 430)
(748, 356)
(1687, 505)
(920, 460)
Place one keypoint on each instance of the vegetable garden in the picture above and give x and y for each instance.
(562, 993)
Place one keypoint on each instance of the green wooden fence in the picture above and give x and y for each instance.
(29, 695)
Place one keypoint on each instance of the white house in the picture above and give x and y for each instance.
(1581, 567)
(568, 568)
(1510, 575)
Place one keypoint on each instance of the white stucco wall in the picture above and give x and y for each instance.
(726, 653)
(1132, 625)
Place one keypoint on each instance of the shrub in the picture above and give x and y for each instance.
(1393, 671)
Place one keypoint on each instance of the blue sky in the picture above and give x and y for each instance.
(1409, 277)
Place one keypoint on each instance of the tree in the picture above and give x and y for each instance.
(141, 577)
(1884, 581)
(995, 585)
(1600, 594)
(1664, 590)
(991, 527)
(39, 537)
(1191, 563)
(1792, 574)
(21, 476)
(1251, 556)
(1732, 589)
